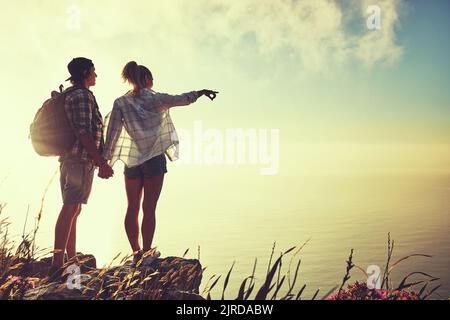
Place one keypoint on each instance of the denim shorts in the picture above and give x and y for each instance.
(154, 167)
(76, 180)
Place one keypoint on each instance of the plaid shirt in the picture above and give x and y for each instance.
(149, 130)
(85, 117)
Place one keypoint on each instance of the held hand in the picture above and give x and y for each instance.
(209, 93)
(105, 171)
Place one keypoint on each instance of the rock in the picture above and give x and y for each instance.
(54, 291)
(171, 278)
(40, 268)
(86, 262)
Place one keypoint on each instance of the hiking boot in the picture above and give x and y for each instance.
(137, 256)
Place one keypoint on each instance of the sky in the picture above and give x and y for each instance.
(344, 99)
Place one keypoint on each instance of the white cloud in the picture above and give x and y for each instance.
(313, 31)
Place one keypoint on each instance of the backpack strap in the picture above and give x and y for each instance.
(70, 89)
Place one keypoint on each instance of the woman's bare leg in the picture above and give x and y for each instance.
(134, 195)
(152, 190)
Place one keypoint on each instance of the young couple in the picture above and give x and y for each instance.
(140, 132)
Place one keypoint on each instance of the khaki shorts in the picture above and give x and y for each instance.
(76, 180)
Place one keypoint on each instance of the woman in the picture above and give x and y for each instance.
(149, 135)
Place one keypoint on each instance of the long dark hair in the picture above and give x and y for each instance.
(136, 75)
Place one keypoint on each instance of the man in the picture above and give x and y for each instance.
(78, 165)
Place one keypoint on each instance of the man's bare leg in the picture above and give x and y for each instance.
(62, 231)
(71, 242)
